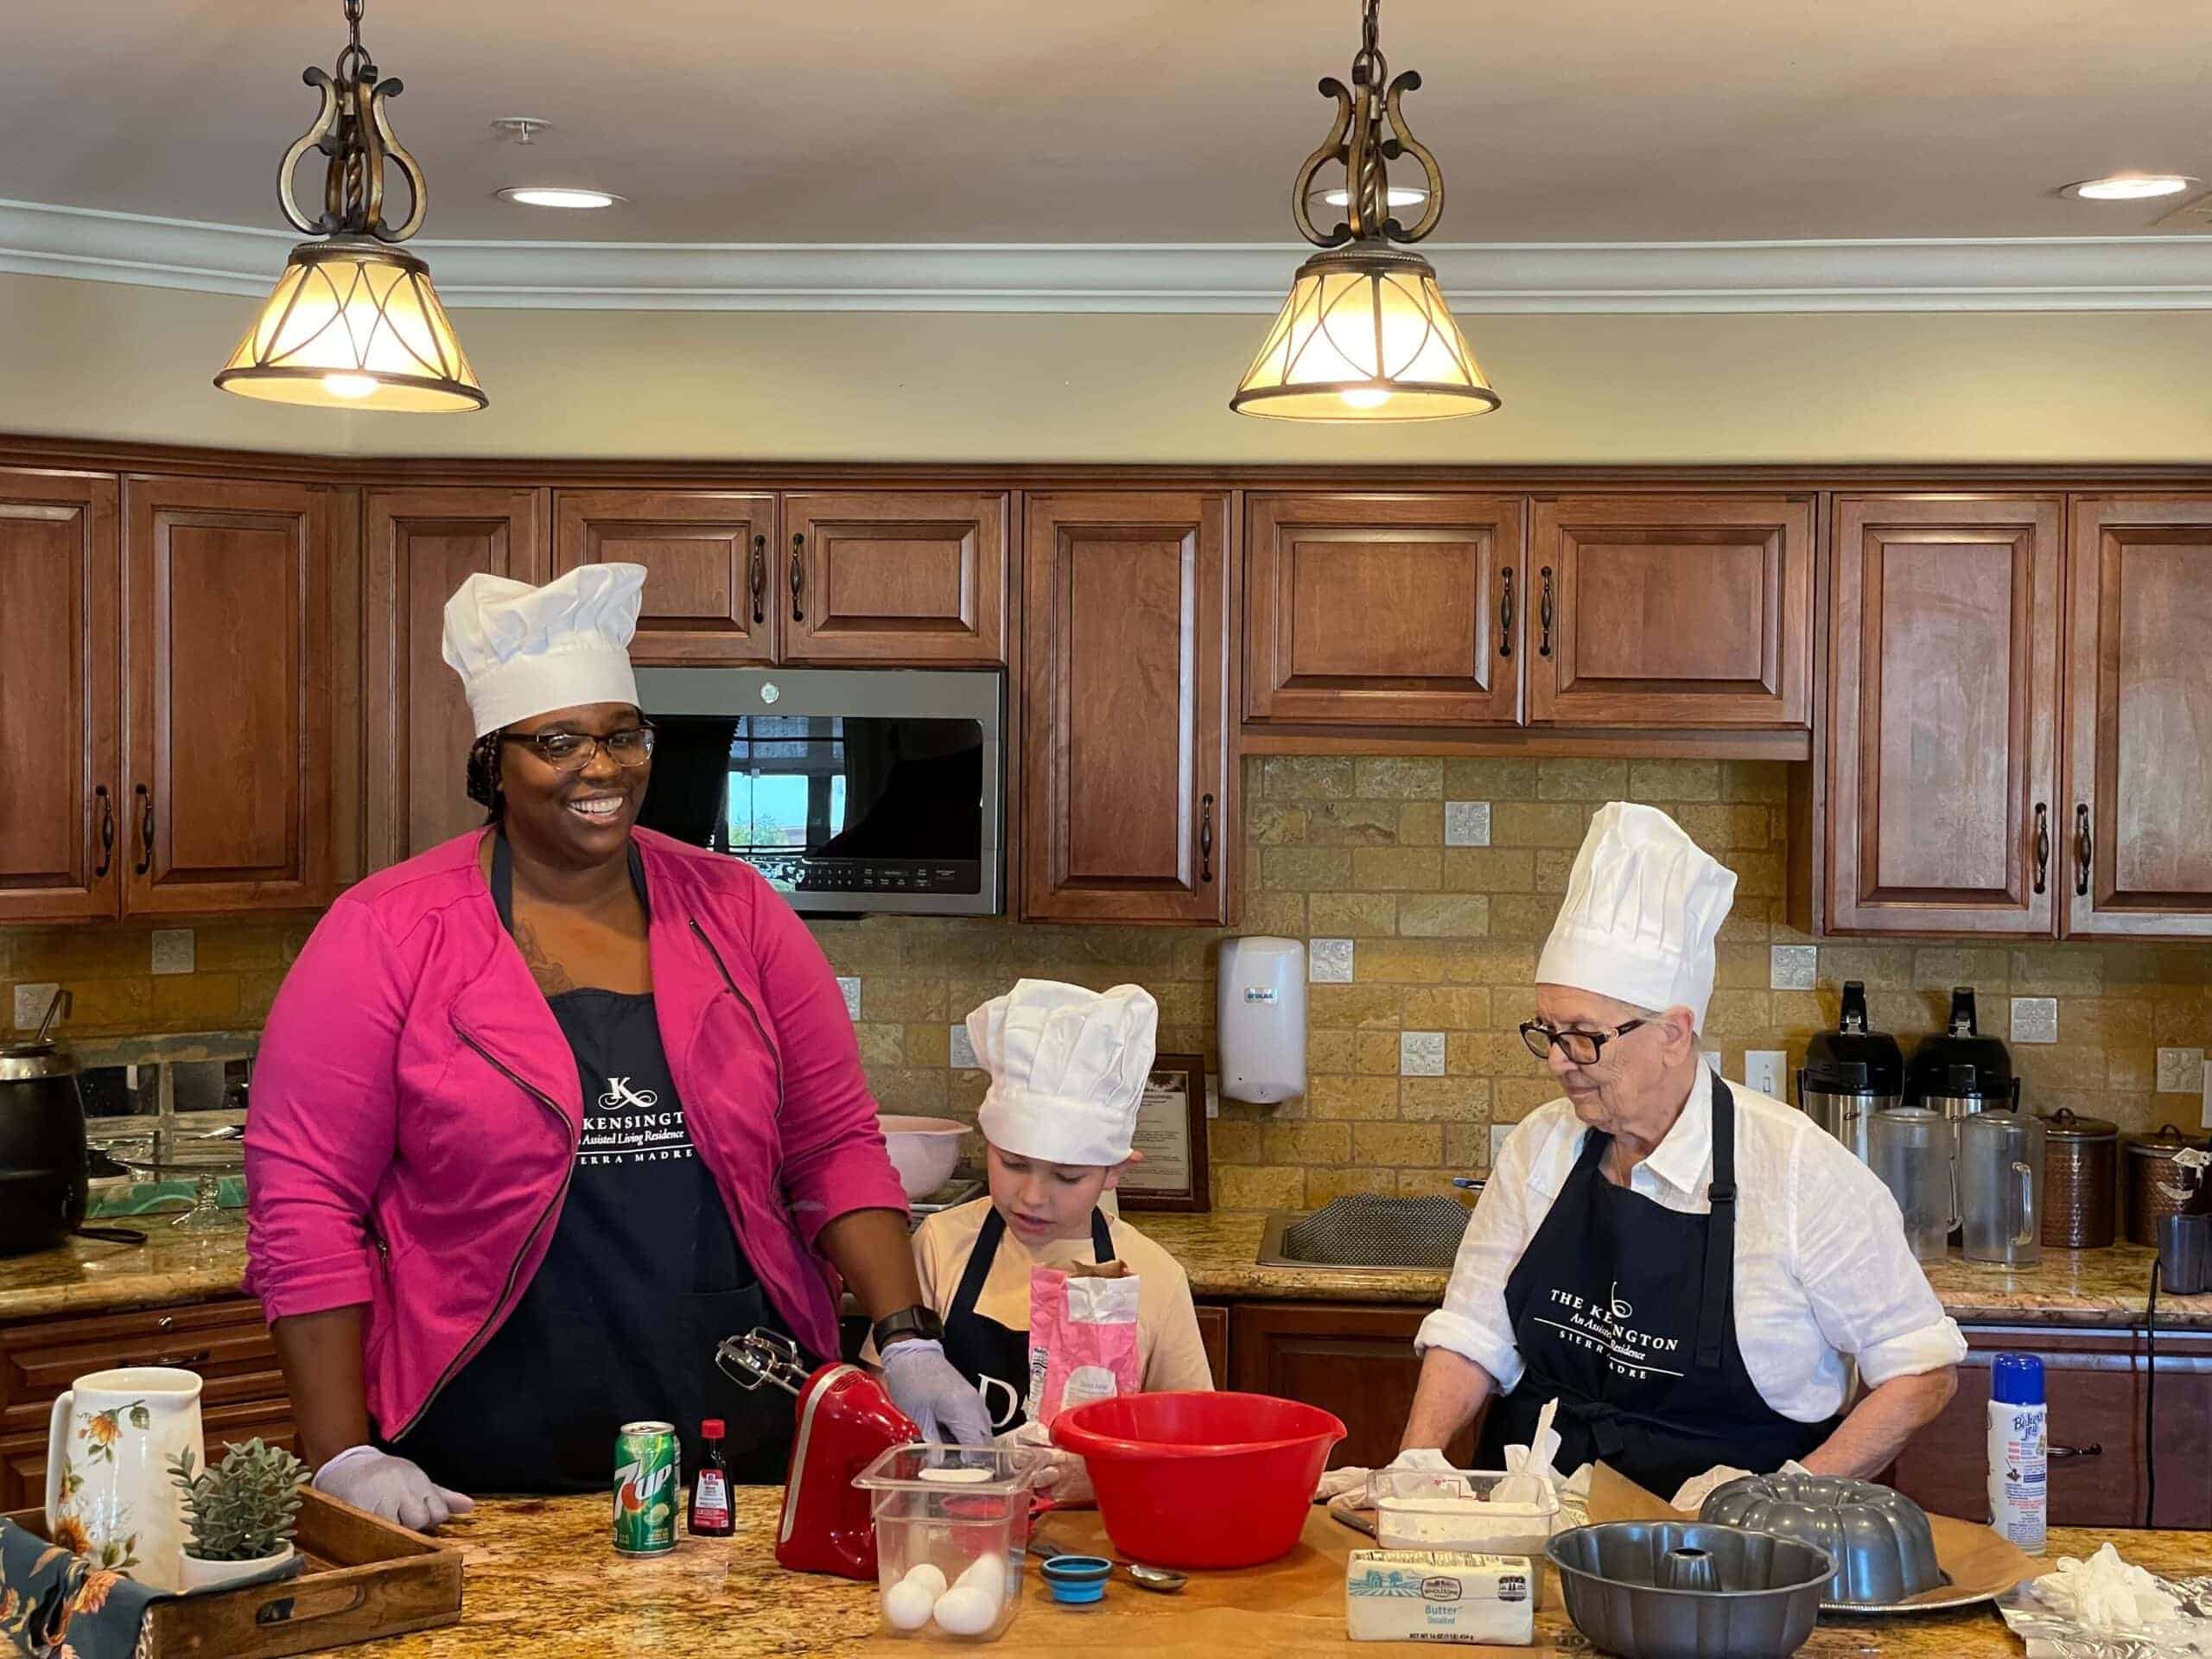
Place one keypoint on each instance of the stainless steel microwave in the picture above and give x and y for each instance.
(852, 790)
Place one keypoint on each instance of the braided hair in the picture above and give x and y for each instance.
(484, 777)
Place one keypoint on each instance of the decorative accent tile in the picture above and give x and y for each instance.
(961, 1050)
(2035, 1018)
(2181, 1071)
(851, 988)
(172, 951)
(30, 1004)
(1793, 967)
(1421, 1054)
(1467, 824)
(1329, 962)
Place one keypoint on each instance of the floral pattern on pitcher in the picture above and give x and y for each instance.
(100, 1433)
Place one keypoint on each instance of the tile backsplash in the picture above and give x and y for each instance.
(1426, 887)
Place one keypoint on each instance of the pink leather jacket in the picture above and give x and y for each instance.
(416, 1108)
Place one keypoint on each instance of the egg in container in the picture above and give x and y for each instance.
(951, 1536)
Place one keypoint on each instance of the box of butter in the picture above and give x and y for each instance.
(1441, 1595)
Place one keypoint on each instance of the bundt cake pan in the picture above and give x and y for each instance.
(1684, 1590)
(1884, 1550)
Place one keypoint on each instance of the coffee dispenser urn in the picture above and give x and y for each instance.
(1850, 1074)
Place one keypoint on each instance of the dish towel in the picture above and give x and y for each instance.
(57, 1605)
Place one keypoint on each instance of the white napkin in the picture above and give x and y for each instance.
(1530, 1476)
(1692, 1494)
(2105, 1593)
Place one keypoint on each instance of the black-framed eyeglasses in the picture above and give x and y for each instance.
(1580, 1047)
(629, 746)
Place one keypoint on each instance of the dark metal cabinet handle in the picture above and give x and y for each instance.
(2042, 846)
(759, 580)
(1505, 612)
(798, 576)
(107, 831)
(2093, 1449)
(145, 827)
(1205, 838)
(199, 1357)
(1544, 615)
(2085, 850)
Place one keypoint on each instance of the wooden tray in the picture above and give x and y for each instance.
(365, 1578)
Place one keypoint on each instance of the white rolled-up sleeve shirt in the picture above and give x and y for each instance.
(1824, 1278)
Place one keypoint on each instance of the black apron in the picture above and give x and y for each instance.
(994, 1359)
(1624, 1310)
(642, 1280)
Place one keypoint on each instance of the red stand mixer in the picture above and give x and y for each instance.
(845, 1421)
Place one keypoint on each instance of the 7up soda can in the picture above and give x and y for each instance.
(646, 1483)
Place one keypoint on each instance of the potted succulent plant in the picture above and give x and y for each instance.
(239, 1514)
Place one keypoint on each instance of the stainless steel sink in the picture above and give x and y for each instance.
(1367, 1235)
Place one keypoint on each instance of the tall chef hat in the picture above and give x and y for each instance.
(1643, 902)
(521, 650)
(1068, 1069)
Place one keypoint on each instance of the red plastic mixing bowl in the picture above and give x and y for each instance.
(1201, 1480)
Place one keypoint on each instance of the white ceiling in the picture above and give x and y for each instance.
(1043, 121)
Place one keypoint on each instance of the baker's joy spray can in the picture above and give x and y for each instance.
(2019, 1457)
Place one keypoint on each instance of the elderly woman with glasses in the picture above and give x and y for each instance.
(1700, 1275)
(544, 1115)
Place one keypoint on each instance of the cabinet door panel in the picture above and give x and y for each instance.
(1126, 786)
(1943, 667)
(710, 588)
(2139, 707)
(423, 545)
(1383, 610)
(228, 751)
(913, 577)
(1681, 611)
(60, 658)
(1354, 1360)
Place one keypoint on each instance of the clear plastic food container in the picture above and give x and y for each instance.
(951, 1536)
(1421, 1508)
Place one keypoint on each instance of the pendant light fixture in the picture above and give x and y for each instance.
(1365, 334)
(353, 323)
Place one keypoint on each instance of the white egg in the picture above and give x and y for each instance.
(929, 1575)
(986, 1573)
(965, 1610)
(906, 1604)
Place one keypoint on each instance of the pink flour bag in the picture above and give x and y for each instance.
(1083, 1338)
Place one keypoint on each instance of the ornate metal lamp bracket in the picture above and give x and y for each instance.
(1368, 131)
(352, 130)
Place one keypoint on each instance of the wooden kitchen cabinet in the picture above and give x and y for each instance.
(1353, 1359)
(1658, 611)
(225, 784)
(2137, 854)
(1383, 610)
(1128, 807)
(61, 662)
(1941, 814)
(710, 566)
(420, 546)
(1213, 1336)
(2097, 1382)
(894, 576)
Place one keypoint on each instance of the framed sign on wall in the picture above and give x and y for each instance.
(1171, 1133)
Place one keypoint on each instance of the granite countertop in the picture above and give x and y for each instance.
(2101, 1288)
(541, 1582)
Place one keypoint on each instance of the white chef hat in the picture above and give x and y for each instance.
(1643, 902)
(521, 650)
(1068, 1069)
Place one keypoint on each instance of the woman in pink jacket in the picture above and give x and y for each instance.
(544, 1115)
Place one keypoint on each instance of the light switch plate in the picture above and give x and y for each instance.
(1793, 967)
(1421, 1053)
(1467, 824)
(2181, 1071)
(851, 988)
(1329, 962)
(961, 1051)
(30, 1003)
(2035, 1018)
(1762, 1070)
(172, 949)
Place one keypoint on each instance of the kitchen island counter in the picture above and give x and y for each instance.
(542, 1583)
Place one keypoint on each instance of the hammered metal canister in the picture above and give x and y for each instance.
(2157, 1186)
(2081, 1182)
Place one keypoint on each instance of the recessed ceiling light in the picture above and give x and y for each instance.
(2130, 186)
(558, 195)
(1401, 195)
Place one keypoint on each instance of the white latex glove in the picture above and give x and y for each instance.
(1061, 1476)
(1696, 1489)
(1335, 1482)
(392, 1487)
(929, 1389)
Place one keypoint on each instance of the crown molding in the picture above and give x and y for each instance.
(2143, 273)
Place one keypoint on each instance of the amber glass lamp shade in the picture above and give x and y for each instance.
(353, 323)
(1364, 336)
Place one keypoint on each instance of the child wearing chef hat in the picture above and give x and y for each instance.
(1068, 1069)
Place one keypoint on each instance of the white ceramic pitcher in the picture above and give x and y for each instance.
(108, 1491)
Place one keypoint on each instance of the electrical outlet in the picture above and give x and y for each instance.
(962, 1049)
(1329, 962)
(851, 991)
(1762, 1070)
(1467, 824)
(172, 949)
(30, 1003)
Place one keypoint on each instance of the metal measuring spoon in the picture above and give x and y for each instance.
(1158, 1579)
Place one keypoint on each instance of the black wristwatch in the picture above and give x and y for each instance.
(915, 1321)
